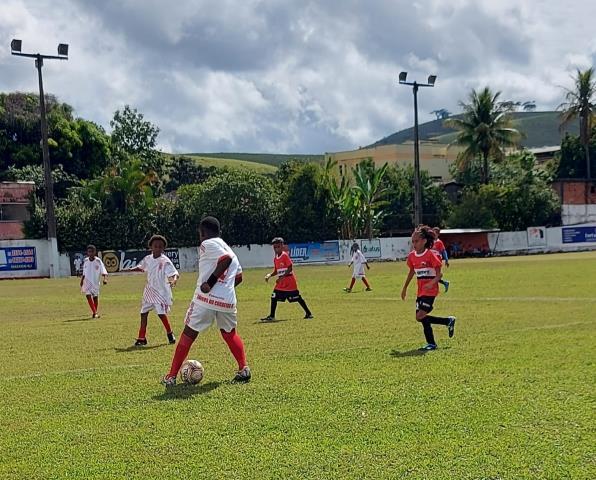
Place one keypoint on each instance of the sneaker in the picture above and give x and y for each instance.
(347, 290)
(308, 317)
(446, 285)
(168, 381)
(368, 289)
(451, 326)
(268, 318)
(140, 342)
(171, 338)
(242, 376)
(428, 346)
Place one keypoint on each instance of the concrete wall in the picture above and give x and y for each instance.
(572, 214)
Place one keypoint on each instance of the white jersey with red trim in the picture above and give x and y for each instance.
(92, 272)
(358, 263)
(222, 296)
(157, 289)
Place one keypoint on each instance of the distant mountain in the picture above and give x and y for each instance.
(540, 129)
(263, 158)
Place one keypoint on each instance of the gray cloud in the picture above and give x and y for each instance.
(282, 76)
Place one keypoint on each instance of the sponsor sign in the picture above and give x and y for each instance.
(118, 260)
(536, 237)
(371, 248)
(314, 252)
(578, 234)
(18, 258)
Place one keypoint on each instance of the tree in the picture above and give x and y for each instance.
(441, 114)
(580, 104)
(484, 129)
(370, 194)
(572, 156)
(186, 171)
(529, 106)
(133, 135)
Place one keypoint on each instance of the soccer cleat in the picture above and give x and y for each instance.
(347, 290)
(171, 338)
(308, 317)
(242, 376)
(369, 289)
(451, 326)
(268, 318)
(140, 342)
(446, 285)
(428, 346)
(168, 381)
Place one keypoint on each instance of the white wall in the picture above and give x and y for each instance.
(574, 214)
(42, 250)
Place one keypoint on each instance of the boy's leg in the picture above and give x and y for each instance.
(143, 327)
(438, 320)
(304, 306)
(166, 322)
(365, 281)
(236, 346)
(352, 282)
(96, 302)
(91, 304)
(428, 331)
(184, 343)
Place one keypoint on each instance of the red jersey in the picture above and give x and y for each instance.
(282, 263)
(438, 248)
(426, 266)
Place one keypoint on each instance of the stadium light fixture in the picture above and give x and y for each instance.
(417, 189)
(15, 49)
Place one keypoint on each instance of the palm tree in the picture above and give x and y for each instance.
(580, 104)
(370, 193)
(485, 129)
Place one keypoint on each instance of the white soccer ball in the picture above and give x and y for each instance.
(192, 372)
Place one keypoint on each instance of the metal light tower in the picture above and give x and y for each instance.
(15, 49)
(417, 189)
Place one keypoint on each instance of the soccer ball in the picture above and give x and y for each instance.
(192, 372)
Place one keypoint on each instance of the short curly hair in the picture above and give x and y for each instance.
(158, 237)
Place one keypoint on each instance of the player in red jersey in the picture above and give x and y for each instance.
(441, 252)
(286, 287)
(427, 267)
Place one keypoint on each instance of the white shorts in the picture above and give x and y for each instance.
(94, 292)
(160, 308)
(200, 318)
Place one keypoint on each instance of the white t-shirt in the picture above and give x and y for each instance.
(222, 296)
(92, 271)
(358, 261)
(157, 289)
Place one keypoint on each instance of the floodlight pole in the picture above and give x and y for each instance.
(49, 187)
(417, 186)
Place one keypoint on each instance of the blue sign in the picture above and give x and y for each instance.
(579, 234)
(18, 258)
(314, 252)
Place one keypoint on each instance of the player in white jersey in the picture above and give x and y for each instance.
(93, 272)
(157, 295)
(214, 300)
(359, 261)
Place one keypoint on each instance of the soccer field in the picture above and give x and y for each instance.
(345, 395)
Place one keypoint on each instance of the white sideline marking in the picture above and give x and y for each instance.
(75, 371)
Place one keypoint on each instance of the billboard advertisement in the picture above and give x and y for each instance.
(314, 252)
(118, 260)
(578, 234)
(371, 248)
(17, 258)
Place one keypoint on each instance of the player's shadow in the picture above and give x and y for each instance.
(408, 353)
(183, 392)
(270, 321)
(81, 319)
(134, 348)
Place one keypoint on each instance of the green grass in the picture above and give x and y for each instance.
(346, 395)
(233, 163)
(273, 159)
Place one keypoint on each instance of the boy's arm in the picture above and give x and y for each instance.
(272, 274)
(435, 280)
(238, 279)
(407, 283)
(222, 265)
(82, 278)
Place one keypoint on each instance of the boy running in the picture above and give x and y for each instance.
(440, 251)
(427, 267)
(359, 261)
(286, 287)
(161, 277)
(214, 300)
(93, 271)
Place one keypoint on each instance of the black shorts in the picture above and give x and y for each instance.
(283, 295)
(425, 304)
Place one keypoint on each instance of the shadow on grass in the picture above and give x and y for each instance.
(413, 353)
(81, 319)
(134, 348)
(184, 391)
(269, 321)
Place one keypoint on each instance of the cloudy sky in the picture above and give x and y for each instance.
(286, 76)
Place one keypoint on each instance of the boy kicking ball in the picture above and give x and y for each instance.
(93, 272)
(157, 295)
(426, 266)
(214, 300)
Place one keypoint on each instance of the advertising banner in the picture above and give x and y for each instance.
(118, 260)
(314, 252)
(18, 258)
(536, 237)
(578, 234)
(371, 248)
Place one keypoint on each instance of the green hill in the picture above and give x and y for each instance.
(540, 129)
(259, 158)
(233, 163)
